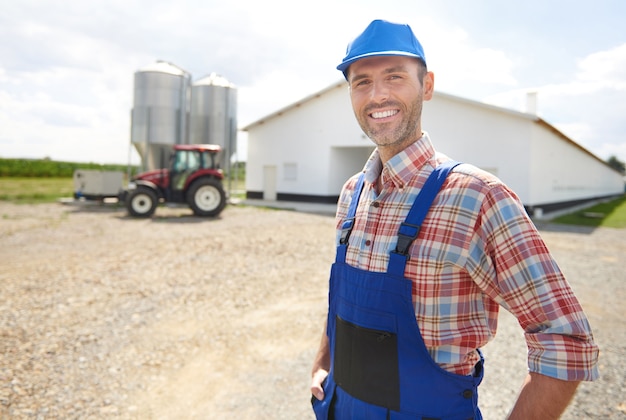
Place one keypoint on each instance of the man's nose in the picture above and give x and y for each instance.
(379, 92)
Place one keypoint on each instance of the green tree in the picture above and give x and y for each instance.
(616, 164)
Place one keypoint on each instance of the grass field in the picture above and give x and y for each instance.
(609, 214)
(35, 190)
(46, 190)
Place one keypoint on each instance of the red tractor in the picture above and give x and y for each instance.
(194, 179)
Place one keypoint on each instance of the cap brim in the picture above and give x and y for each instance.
(345, 64)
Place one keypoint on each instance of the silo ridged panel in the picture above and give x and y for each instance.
(159, 111)
(213, 115)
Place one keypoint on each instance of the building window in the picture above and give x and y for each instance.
(290, 171)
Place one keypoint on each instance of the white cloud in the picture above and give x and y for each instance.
(605, 69)
(457, 62)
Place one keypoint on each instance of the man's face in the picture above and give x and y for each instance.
(387, 96)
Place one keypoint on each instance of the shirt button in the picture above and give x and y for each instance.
(376, 204)
(468, 393)
(368, 242)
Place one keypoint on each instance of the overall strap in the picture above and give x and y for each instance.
(348, 222)
(410, 228)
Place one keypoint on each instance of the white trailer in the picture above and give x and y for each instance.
(97, 185)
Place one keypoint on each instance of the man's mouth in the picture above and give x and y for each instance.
(384, 114)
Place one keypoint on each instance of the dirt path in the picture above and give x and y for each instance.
(102, 316)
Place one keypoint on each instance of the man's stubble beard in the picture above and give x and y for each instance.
(403, 133)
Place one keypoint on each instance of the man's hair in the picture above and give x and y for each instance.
(422, 69)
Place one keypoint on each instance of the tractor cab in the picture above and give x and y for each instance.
(188, 163)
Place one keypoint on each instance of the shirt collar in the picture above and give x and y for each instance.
(403, 166)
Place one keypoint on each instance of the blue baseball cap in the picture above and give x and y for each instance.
(382, 38)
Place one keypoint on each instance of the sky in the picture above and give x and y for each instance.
(67, 67)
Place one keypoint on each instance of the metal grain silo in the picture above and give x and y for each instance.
(159, 114)
(213, 115)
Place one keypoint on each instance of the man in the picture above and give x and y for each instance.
(418, 280)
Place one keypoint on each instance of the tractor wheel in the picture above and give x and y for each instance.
(141, 202)
(206, 197)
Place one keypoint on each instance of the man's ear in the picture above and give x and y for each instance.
(429, 85)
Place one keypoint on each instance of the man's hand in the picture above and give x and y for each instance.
(543, 397)
(316, 383)
(321, 366)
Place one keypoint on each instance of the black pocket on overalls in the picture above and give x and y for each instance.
(366, 364)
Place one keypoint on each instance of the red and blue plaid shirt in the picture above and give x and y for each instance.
(477, 250)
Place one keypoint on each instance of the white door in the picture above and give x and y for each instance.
(269, 183)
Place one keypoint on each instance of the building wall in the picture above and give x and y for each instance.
(561, 172)
(313, 146)
(489, 139)
(304, 145)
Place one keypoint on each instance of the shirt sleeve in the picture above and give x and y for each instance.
(512, 264)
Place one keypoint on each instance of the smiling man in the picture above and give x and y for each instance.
(427, 251)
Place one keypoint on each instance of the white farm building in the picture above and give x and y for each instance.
(306, 151)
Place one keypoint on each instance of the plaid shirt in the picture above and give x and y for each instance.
(477, 250)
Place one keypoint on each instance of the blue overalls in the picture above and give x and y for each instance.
(380, 367)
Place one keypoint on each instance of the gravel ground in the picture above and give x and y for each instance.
(103, 316)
